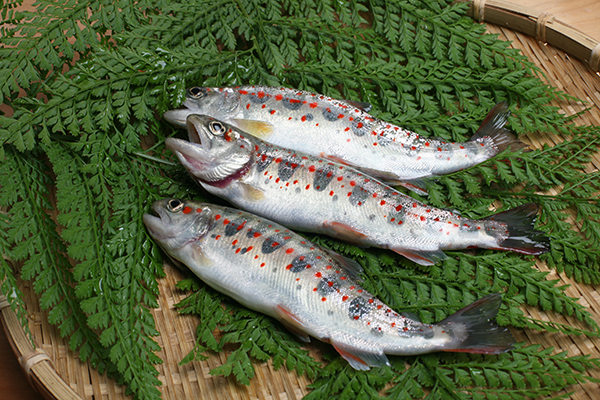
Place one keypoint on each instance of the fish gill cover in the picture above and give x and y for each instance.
(83, 86)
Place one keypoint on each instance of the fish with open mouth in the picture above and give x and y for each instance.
(343, 131)
(312, 194)
(311, 290)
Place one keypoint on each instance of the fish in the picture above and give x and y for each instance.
(313, 194)
(343, 131)
(312, 291)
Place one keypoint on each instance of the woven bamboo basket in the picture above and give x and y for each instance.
(56, 372)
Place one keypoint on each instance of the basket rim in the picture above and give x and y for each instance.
(540, 25)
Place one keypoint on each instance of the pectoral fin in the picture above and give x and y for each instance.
(292, 323)
(259, 129)
(361, 359)
(251, 193)
(351, 267)
(422, 257)
(345, 232)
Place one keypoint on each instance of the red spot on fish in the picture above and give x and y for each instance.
(462, 147)
(371, 301)
(263, 106)
(313, 105)
(312, 168)
(315, 289)
(439, 149)
(347, 129)
(413, 148)
(400, 222)
(287, 237)
(262, 265)
(277, 180)
(331, 193)
(481, 144)
(323, 298)
(405, 329)
(330, 284)
(374, 144)
(295, 182)
(436, 219)
(340, 116)
(427, 144)
(272, 112)
(344, 298)
(243, 92)
(422, 218)
(343, 278)
(414, 205)
(239, 228)
(379, 307)
(217, 217)
(356, 317)
(352, 183)
(307, 187)
(339, 178)
(186, 210)
(352, 287)
(478, 227)
(303, 118)
(398, 207)
(278, 97)
(217, 237)
(278, 160)
(261, 94)
(382, 202)
(225, 221)
(275, 244)
(318, 274)
(257, 234)
(294, 101)
(289, 251)
(238, 250)
(359, 125)
(349, 194)
(419, 158)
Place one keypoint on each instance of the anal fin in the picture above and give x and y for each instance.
(361, 359)
(292, 323)
(422, 257)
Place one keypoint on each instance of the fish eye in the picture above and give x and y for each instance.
(196, 92)
(216, 128)
(175, 205)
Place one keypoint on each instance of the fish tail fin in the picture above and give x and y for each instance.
(522, 236)
(492, 128)
(482, 335)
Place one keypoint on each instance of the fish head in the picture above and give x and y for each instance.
(220, 103)
(175, 224)
(217, 154)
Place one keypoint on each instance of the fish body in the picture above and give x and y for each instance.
(343, 131)
(313, 194)
(312, 291)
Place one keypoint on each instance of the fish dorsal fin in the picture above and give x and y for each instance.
(259, 129)
(292, 323)
(360, 359)
(421, 257)
(251, 193)
(351, 267)
(361, 105)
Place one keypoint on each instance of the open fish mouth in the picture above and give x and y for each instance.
(192, 156)
(154, 223)
(178, 116)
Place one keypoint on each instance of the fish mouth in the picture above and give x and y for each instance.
(154, 223)
(177, 117)
(192, 156)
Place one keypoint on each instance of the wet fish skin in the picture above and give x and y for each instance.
(341, 131)
(312, 291)
(312, 194)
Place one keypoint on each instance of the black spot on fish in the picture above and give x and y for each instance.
(274, 242)
(235, 226)
(383, 140)
(301, 262)
(330, 114)
(358, 196)
(377, 331)
(274, 270)
(258, 98)
(287, 169)
(244, 250)
(358, 307)
(263, 162)
(291, 104)
(328, 285)
(360, 127)
(334, 198)
(424, 331)
(323, 177)
(298, 287)
(309, 117)
(371, 217)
